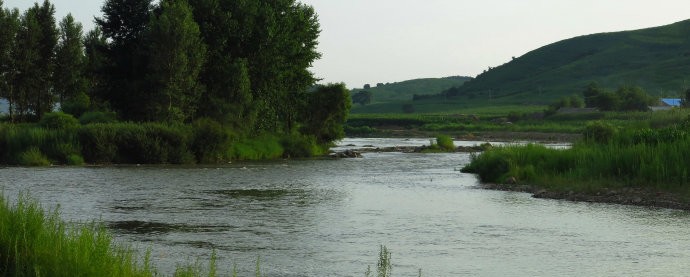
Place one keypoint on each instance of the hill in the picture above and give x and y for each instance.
(656, 59)
(384, 95)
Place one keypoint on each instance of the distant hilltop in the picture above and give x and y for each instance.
(655, 59)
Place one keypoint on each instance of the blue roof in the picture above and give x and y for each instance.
(673, 102)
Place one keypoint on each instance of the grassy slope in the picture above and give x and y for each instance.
(656, 59)
(389, 98)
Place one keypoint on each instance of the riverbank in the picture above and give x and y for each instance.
(645, 167)
(623, 196)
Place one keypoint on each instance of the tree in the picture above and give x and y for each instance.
(225, 75)
(363, 97)
(327, 111)
(607, 101)
(70, 81)
(9, 20)
(275, 42)
(35, 61)
(95, 62)
(124, 25)
(43, 99)
(367, 86)
(176, 56)
(633, 99)
(591, 94)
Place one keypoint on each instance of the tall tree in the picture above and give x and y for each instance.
(124, 24)
(95, 46)
(9, 20)
(34, 62)
(176, 56)
(276, 40)
(327, 112)
(225, 75)
(43, 99)
(70, 82)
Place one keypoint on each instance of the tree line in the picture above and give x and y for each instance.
(244, 64)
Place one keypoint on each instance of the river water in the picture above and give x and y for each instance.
(328, 217)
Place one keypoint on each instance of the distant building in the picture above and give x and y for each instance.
(671, 102)
(666, 104)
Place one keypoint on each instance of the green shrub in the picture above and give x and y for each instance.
(33, 157)
(599, 132)
(301, 146)
(210, 141)
(97, 117)
(445, 143)
(75, 159)
(78, 105)
(491, 166)
(98, 144)
(59, 121)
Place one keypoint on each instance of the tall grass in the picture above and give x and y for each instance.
(205, 141)
(654, 158)
(36, 243)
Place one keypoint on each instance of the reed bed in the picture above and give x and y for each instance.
(652, 158)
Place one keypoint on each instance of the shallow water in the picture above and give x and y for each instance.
(328, 218)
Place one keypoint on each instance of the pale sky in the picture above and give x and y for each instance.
(379, 41)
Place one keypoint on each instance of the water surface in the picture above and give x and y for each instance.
(328, 218)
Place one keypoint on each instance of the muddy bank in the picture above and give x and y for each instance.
(357, 153)
(623, 196)
(502, 136)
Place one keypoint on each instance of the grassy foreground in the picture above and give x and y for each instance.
(607, 158)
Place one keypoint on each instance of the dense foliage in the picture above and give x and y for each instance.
(241, 64)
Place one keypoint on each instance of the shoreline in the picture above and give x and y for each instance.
(497, 136)
(622, 196)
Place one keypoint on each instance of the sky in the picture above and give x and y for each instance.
(381, 41)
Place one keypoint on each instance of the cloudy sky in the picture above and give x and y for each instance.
(372, 41)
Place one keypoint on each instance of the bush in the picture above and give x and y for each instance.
(300, 146)
(75, 159)
(599, 132)
(33, 157)
(491, 166)
(445, 143)
(98, 143)
(59, 120)
(210, 141)
(78, 105)
(97, 117)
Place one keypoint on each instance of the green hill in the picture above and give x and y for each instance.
(656, 59)
(391, 95)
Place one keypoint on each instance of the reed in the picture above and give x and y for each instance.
(654, 158)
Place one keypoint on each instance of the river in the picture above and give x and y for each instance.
(327, 217)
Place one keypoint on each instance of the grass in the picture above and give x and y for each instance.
(507, 119)
(644, 158)
(36, 243)
(142, 143)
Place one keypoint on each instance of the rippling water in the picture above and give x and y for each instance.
(328, 217)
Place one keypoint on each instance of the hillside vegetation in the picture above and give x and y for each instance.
(391, 96)
(655, 59)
